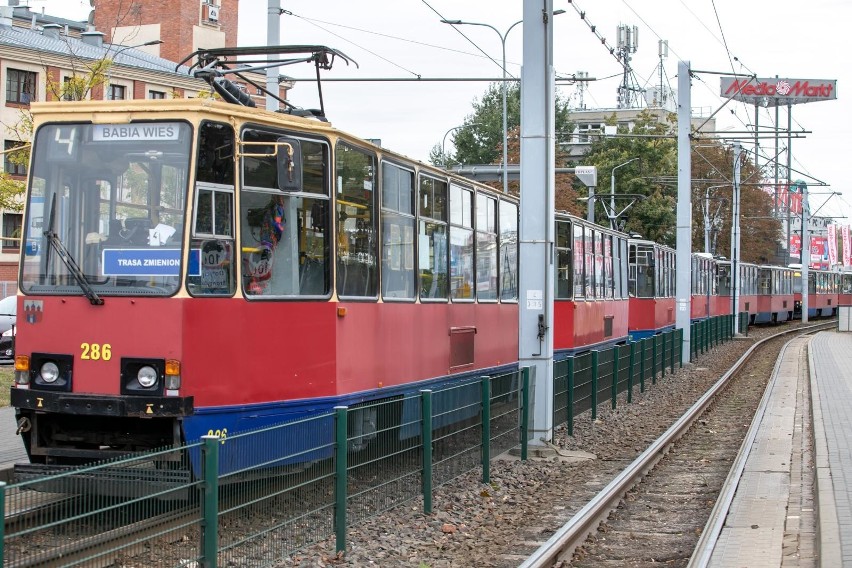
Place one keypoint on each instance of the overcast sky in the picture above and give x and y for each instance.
(404, 39)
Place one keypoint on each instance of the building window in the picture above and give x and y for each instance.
(156, 95)
(9, 166)
(118, 93)
(11, 229)
(20, 86)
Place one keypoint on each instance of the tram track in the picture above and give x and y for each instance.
(690, 463)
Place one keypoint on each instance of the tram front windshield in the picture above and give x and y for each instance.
(105, 209)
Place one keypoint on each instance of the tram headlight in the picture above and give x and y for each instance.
(147, 376)
(49, 372)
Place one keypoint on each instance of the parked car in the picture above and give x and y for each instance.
(8, 311)
(7, 344)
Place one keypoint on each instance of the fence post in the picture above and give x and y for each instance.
(525, 412)
(426, 436)
(663, 355)
(594, 385)
(673, 342)
(631, 368)
(210, 526)
(3, 526)
(615, 353)
(680, 347)
(340, 466)
(570, 396)
(485, 381)
(642, 365)
(654, 360)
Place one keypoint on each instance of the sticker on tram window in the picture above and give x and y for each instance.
(141, 262)
(95, 351)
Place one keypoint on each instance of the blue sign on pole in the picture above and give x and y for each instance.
(141, 262)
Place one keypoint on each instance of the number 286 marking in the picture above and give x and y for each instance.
(96, 351)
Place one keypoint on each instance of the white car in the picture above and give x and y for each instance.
(8, 312)
(7, 344)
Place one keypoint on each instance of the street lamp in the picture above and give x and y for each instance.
(444, 141)
(503, 37)
(612, 189)
(119, 51)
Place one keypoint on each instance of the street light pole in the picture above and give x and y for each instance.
(612, 191)
(118, 52)
(503, 37)
(444, 141)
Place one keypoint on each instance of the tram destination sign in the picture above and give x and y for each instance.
(146, 131)
(778, 92)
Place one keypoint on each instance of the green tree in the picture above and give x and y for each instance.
(480, 139)
(649, 176)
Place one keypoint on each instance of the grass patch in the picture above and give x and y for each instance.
(7, 376)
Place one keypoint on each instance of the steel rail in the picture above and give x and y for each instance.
(571, 535)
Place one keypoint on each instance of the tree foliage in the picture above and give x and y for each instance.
(480, 141)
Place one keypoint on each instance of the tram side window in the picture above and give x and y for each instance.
(589, 264)
(509, 251)
(579, 263)
(397, 232)
(211, 270)
(461, 243)
(284, 237)
(356, 231)
(433, 239)
(486, 247)
(564, 267)
(610, 281)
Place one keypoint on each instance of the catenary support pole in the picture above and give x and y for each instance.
(683, 259)
(806, 251)
(535, 341)
(735, 233)
(273, 37)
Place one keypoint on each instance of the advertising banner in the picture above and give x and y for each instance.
(847, 254)
(819, 252)
(832, 244)
(796, 247)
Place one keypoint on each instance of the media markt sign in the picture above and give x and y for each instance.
(776, 92)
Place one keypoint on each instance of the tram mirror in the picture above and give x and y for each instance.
(289, 164)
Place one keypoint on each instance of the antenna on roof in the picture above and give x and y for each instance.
(213, 65)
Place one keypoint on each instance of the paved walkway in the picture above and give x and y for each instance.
(771, 517)
(831, 385)
(11, 447)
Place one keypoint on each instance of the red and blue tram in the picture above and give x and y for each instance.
(824, 292)
(774, 294)
(704, 285)
(746, 289)
(651, 285)
(844, 297)
(193, 267)
(590, 300)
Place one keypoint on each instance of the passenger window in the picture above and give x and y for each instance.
(432, 238)
(397, 232)
(357, 245)
(211, 270)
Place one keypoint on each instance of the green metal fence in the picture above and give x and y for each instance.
(583, 382)
(258, 497)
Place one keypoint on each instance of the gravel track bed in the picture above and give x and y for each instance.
(661, 519)
(501, 523)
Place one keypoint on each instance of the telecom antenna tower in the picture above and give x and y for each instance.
(663, 53)
(581, 88)
(628, 43)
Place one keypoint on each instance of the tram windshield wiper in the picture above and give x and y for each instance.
(73, 268)
(55, 242)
